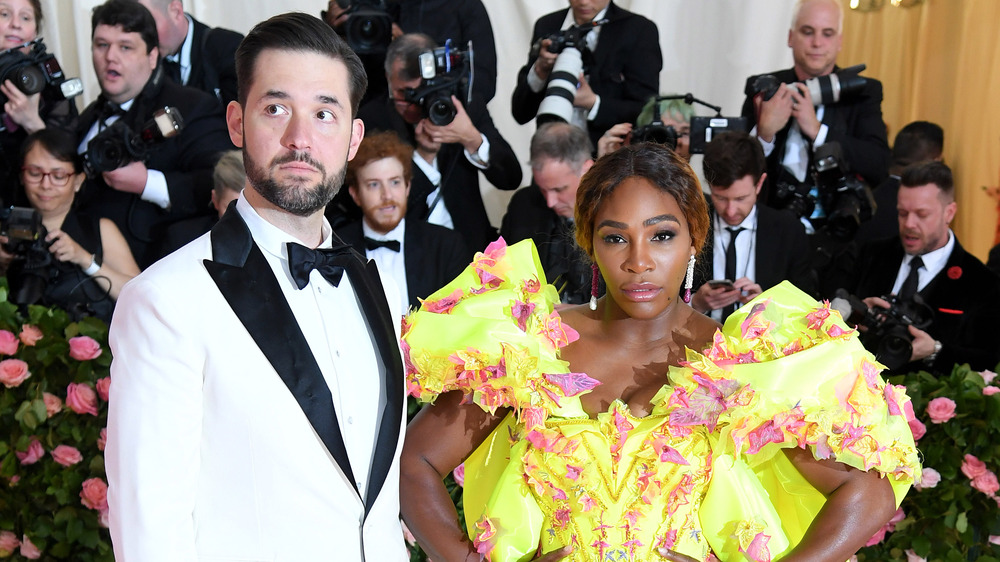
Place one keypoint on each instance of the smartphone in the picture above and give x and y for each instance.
(716, 283)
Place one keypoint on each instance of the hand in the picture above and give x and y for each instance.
(555, 555)
(585, 96)
(747, 288)
(334, 15)
(427, 147)
(397, 31)
(773, 114)
(22, 108)
(923, 344)
(707, 299)
(668, 554)
(804, 112)
(545, 61)
(613, 139)
(65, 249)
(130, 178)
(460, 130)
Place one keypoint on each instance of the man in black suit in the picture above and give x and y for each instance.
(791, 128)
(420, 257)
(174, 180)
(774, 247)
(927, 260)
(621, 66)
(544, 210)
(448, 158)
(195, 55)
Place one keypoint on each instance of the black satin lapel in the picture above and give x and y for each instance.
(766, 258)
(380, 321)
(246, 281)
(417, 271)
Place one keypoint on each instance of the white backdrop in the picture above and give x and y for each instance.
(709, 48)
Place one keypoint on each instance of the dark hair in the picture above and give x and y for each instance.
(731, 156)
(917, 142)
(61, 144)
(407, 48)
(386, 144)
(561, 142)
(656, 163)
(931, 171)
(131, 16)
(296, 31)
(36, 5)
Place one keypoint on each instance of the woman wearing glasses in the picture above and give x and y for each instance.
(91, 261)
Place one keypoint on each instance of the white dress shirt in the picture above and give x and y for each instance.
(934, 262)
(183, 56)
(390, 263)
(746, 250)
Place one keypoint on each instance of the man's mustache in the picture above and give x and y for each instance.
(298, 156)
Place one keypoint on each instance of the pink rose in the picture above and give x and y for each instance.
(29, 550)
(66, 455)
(8, 543)
(973, 467)
(13, 372)
(988, 376)
(30, 334)
(994, 539)
(102, 441)
(8, 342)
(84, 348)
(13, 480)
(917, 428)
(990, 390)
(878, 537)
(53, 405)
(929, 478)
(34, 453)
(459, 474)
(81, 398)
(986, 483)
(941, 409)
(103, 387)
(94, 494)
(912, 557)
(407, 535)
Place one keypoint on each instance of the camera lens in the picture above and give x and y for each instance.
(441, 111)
(28, 79)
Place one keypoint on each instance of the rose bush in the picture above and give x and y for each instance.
(53, 495)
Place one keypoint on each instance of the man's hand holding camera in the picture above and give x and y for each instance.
(459, 131)
(22, 108)
(924, 345)
(130, 178)
(708, 298)
(585, 96)
(790, 101)
(545, 61)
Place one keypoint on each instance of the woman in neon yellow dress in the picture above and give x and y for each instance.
(596, 435)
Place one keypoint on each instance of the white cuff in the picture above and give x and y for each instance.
(767, 146)
(481, 158)
(156, 189)
(534, 82)
(821, 136)
(593, 110)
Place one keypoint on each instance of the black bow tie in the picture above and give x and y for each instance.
(329, 263)
(373, 244)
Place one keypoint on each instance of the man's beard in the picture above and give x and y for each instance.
(294, 196)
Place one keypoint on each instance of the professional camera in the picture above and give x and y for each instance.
(28, 273)
(887, 335)
(823, 90)
(703, 129)
(795, 197)
(848, 200)
(118, 145)
(655, 132)
(560, 91)
(445, 72)
(36, 71)
(368, 28)
(571, 37)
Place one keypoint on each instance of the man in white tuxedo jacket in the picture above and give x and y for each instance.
(257, 408)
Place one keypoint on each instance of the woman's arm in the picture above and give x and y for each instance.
(858, 503)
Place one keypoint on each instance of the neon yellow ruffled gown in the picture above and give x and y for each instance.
(703, 474)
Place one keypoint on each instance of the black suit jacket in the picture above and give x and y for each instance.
(459, 178)
(624, 69)
(433, 256)
(782, 252)
(856, 124)
(186, 160)
(964, 296)
(213, 61)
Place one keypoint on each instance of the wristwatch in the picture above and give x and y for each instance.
(937, 349)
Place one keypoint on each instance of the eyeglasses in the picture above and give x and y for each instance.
(34, 174)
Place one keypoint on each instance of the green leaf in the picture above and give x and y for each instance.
(38, 408)
(962, 523)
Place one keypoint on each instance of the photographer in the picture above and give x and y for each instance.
(962, 295)
(448, 158)
(92, 259)
(173, 179)
(673, 113)
(621, 66)
(790, 127)
(20, 21)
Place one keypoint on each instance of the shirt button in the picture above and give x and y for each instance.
(337, 352)
(350, 419)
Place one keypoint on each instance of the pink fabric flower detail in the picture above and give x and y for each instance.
(990, 390)
(8, 342)
(102, 441)
(103, 387)
(443, 305)
(28, 549)
(973, 467)
(918, 428)
(53, 404)
(994, 539)
(84, 348)
(13, 372)
(459, 474)
(988, 376)
(66, 455)
(986, 483)
(889, 527)
(30, 334)
(929, 478)
(34, 453)
(941, 409)
(8, 543)
(94, 494)
(81, 398)
(913, 557)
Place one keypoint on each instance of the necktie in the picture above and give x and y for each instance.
(172, 69)
(106, 111)
(734, 231)
(909, 287)
(329, 263)
(373, 244)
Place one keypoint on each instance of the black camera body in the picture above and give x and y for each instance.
(704, 129)
(368, 29)
(29, 272)
(847, 199)
(823, 90)
(571, 37)
(887, 334)
(445, 72)
(36, 71)
(655, 132)
(118, 145)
